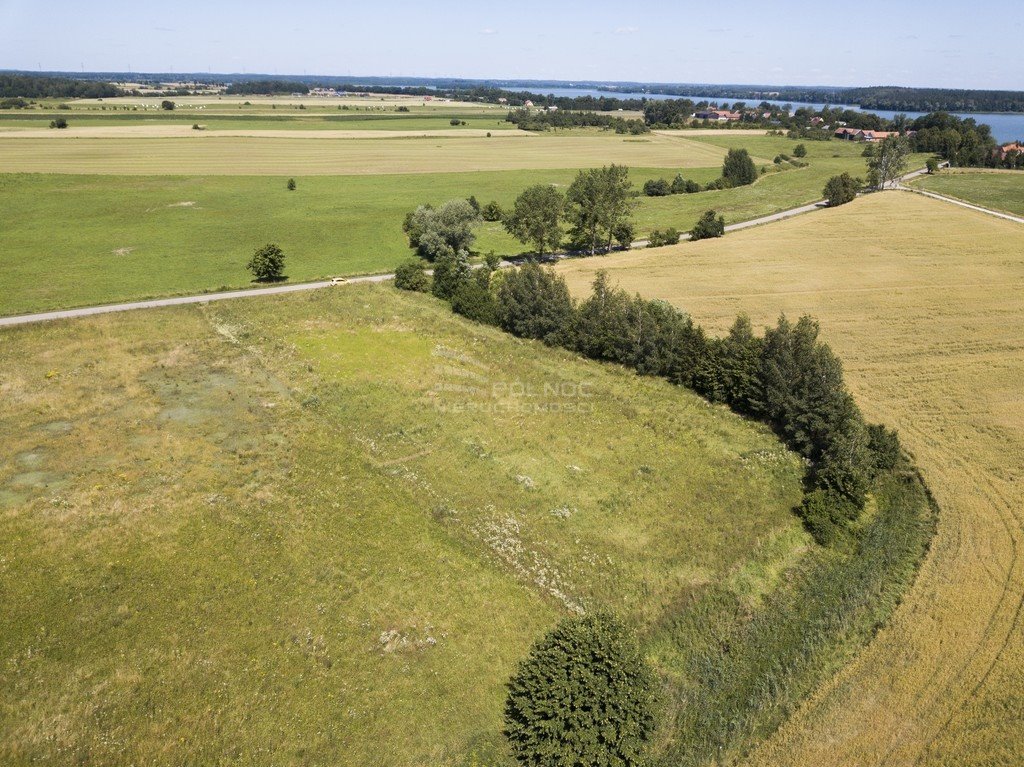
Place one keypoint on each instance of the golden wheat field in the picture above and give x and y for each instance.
(215, 155)
(924, 302)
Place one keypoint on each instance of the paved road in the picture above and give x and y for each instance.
(25, 319)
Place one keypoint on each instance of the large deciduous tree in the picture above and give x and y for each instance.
(889, 162)
(738, 168)
(534, 218)
(599, 202)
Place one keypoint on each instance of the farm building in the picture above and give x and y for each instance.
(721, 115)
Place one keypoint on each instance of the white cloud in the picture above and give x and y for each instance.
(488, 31)
(627, 30)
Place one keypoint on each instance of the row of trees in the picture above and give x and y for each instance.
(527, 119)
(40, 87)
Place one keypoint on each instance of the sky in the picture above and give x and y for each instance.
(786, 42)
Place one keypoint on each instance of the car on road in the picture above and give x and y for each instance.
(338, 280)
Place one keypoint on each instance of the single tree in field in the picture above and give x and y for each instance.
(738, 168)
(291, 185)
(584, 696)
(534, 218)
(889, 162)
(598, 202)
(932, 165)
(267, 264)
(60, 122)
(708, 226)
(167, 105)
(800, 150)
(841, 189)
(436, 232)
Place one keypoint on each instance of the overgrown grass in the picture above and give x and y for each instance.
(323, 528)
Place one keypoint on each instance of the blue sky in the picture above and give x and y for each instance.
(784, 42)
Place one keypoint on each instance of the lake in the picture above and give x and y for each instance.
(1006, 126)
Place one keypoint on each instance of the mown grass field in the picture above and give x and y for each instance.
(923, 301)
(321, 529)
(999, 190)
(209, 155)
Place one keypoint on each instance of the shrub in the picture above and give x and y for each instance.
(267, 263)
(491, 211)
(291, 185)
(826, 516)
(412, 275)
(60, 123)
(196, 126)
(681, 186)
(841, 189)
(402, 109)
(447, 229)
(799, 151)
(657, 187)
(168, 105)
(738, 168)
(584, 696)
(708, 226)
(451, 269)
(661, 238)
(473, 299)
(473, 203)
(718, 183)
(454, 121)
(884, 445)
(932, 165)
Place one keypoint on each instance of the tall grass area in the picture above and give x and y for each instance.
(324, 528)
(740, 669)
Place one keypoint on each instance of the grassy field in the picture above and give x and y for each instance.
(131, 236)
(999, 190)
(321, 529)
(923, 301)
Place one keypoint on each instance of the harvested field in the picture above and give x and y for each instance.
(924, 302)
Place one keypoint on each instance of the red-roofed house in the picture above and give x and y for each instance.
(718, 114)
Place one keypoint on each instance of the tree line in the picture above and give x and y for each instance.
(41, 87)
(265, 88)
(526, 119)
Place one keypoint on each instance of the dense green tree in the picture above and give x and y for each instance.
(841, 189)
(451, 269)
(799, 151)
(889, 162)
(598, 201)
(708, 226)
(739, 363)
(445, 230)
(473, 203)
(534, 218)
(291, 185)
(412, 275)
(738, 168)
(167, 105)
(931, 165)
(267, 263)
(491, 211)
(59, 123)
(584, 696)
(474, 299)
(534, 303)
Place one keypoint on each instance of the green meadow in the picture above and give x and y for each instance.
(324, 528)
(72, 240)
(999, 190)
